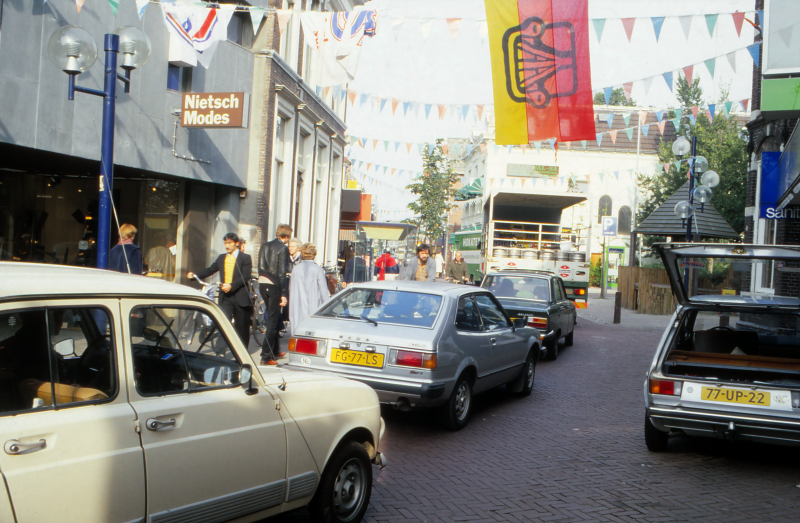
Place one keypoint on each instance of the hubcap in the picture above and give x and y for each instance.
(531, 371)
(462, 401)
(348, 490)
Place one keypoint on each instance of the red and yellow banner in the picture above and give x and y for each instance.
(540, 70)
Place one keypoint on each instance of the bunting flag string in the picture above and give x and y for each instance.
(685, 22)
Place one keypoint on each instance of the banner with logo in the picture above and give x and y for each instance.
(197, 27)
(540, 70)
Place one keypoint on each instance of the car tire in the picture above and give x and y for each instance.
(568, 339)
(345, 487)
(655, 439)
(454, 414)
(528, 375)
(552, 349)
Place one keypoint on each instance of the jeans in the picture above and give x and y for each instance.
(272, 298)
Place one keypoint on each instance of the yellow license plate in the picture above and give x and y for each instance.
(352, 357)
(746, 397)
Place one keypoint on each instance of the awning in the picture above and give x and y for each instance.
(473, 190)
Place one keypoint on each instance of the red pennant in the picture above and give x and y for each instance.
(627, 23)
(744, 104)
(627, 88)
(738, 18)
(666, 165)
(695, 109)
(687, 71)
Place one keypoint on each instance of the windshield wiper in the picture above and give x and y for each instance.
(350, 317)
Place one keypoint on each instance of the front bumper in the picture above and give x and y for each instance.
(767, 429)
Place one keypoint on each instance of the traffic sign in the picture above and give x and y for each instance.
(609, 226)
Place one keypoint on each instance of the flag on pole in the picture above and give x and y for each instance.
(197, 27)
(540, 70)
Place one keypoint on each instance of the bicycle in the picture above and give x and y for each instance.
(259, 319)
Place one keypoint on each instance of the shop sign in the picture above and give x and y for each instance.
(531, 171)
(214, 109)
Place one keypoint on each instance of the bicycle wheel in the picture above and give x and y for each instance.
(259, 320)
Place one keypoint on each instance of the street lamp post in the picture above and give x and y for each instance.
(73, 50)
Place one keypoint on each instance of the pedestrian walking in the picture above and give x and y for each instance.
(126, 256)
(294, 246)
(439, 264)
(308, 286)
(387, 266)
(355, 271)
(457, 270)
(234, 295)
(273, 276)
(422, 267)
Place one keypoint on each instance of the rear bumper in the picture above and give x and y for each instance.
(767, 429)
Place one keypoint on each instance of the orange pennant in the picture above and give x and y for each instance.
(395, 103)
(374, 143)
(661, 125)
(408, 146)
(327, 90)
(444, 148)
(480, 112)
(642, 117)
(613, 135)
(442, 110)
(351, 95)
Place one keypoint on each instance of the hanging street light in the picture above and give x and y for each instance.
(698, 165)
(74, 51)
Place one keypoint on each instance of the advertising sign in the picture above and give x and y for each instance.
(214, 109)
(531, 171)
(777, 174)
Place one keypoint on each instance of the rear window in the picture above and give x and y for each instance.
(519, 287)
(414, 309)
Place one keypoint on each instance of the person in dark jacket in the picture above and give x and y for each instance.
(274, 266)
(125, 254)
(457, 270)
(234, 296)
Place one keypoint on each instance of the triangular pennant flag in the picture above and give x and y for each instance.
(687, 71)
(659, 115)
(676, 123)
(442, 109)
(284, 15)
(464, 111)
(362, 99)
(483, 31)
(583, 144)
(658, 21)
(645, 129)
(711, 63)
(397, 28)
(368, 166)
(363, 142)
(642, 117)
(709, 116)
(607, 93)
(629, 132)
(666, 167)
(738, 18)
(760, 17)
(613, 135)
(647, 82)
(454, 24)
(480, 112)
(538, 146)
(510, 148)
(598, 23)
(425, 25)
(408, 147)
(661, 126)
(395, 103)
(483, 148)
(727, 108)
(406, 105)
(386, 145)
(678, 113)
(712, 108)
(610, 120)
(385, 168)
(616, 175)
(686, 24)
(732, 60)
(744, 104)
(256, 16)
(627, 23)
(351, 95)
(693, 118)
(753, 50)
(627, 119)
(552, 143)
(396, 146)
(325, 91)
(142, 4)
(114, 6)
(374, 143)
(786, 35)
(711, 21)
(668, 78)
(427, 110)
(79, 4)
(382, 102)
(444, 148)
(599, 139)
(600, 176)
(627, 89)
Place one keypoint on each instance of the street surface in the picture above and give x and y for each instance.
(574, 450)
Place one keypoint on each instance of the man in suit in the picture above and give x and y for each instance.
(234, 295)
(273, 276)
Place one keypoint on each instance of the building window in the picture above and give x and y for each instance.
(603, 207)
(179, 78)
(624, 220)
(240, 30)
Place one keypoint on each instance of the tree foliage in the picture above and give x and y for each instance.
(434, 188)
(616, 99)
(723, 144)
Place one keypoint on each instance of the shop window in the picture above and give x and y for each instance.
(603, 207)
(240, 30)
(179, 78)
(158, 236)
(624, 220)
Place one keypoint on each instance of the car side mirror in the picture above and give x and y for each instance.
(65, 347)
(246, 376)
(150, 334)
(518, 323)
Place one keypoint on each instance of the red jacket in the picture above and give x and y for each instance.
(386, 263)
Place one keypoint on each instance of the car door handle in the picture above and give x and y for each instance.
(13, 446)
(154, 424)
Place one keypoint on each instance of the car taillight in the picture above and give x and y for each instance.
(666, 387)
(539, 323)
(306, 346)
(407, 358)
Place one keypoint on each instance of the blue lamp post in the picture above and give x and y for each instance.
(73, 50)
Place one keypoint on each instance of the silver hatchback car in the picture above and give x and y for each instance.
(420, 344)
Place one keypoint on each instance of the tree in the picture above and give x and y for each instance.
(435, 190)
(617, 98)
(723, 144)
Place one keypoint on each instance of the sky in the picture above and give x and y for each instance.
(400, 62)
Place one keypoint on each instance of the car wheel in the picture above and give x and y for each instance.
(344, 490)
(655, 439)
(552, 348)
(454, 414)
(568, 339)
(528, 375)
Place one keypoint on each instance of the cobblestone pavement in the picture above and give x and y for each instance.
(574, 451)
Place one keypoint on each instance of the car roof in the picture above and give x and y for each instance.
(441, 288)
(35, 279)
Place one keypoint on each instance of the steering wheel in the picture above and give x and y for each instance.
(93, 362)
(722, 327)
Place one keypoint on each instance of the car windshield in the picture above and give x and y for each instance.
(414, 309)
(520, 287)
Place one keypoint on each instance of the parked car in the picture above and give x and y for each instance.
(420, 344)
(728, 365)
(540, 298)
(116, 406)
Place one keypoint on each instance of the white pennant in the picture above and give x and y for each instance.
(425, 25)
(483, 31)
(647, 82)
(686, 24)
(732, 60)
(397, 28)
(256, 16)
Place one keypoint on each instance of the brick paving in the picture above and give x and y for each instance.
(574, 451)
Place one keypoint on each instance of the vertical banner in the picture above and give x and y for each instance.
(541, 75)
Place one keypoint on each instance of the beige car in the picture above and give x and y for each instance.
(126, 398)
